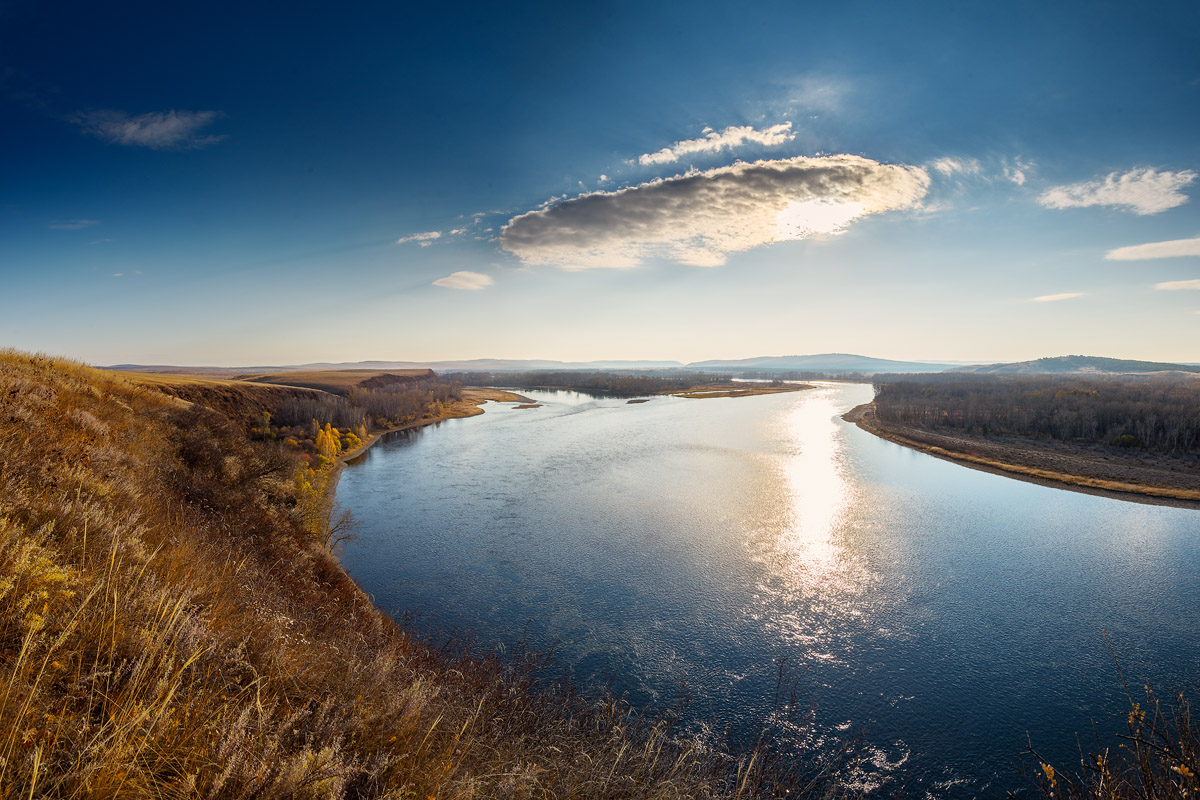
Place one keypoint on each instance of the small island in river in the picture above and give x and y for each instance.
(738, 389)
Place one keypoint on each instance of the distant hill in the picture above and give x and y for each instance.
(471, 365)
(495, 365)
(825, 362)
(341, 381)
(1078, 364)
(227, 373)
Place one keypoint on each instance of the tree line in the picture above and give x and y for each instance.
(391, 404)
(321, 427)
(1156, 413)
(609, 384)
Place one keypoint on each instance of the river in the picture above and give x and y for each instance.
(939, 614)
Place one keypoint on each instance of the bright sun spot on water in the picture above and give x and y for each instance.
(815, 481)
(806, 218)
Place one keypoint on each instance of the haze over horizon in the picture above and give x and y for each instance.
(194, 186)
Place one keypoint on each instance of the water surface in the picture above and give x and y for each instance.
(939, 612)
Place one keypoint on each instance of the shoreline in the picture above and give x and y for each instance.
(864, 417)
(469, 406)
(737, 390)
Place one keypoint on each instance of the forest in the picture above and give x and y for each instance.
(1155, 413)
(324, 425)
(392, 404)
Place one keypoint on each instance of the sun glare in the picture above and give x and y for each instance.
(805, 218)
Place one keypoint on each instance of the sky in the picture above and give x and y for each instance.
(266, 184)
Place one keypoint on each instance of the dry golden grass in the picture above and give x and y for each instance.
(478, 394)
(158, 380)
(337, 381)
(239, 400)
(169, 629)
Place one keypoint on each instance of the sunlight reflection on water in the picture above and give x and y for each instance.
(710, 541)
(813, 583)
(818, 490)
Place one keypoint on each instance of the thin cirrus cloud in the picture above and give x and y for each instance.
(1176, 286)
(949, 165)
(1142, 191)
(465, 279)
(1054, 298)
(1175, 248)
(422, 239)
(712, 142)
(1019, 172)
(158, 130)
(698, 218)
(73, 224)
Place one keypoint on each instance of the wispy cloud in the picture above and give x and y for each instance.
(808, 93)
(423, 239)
(464, 279)
(158, 130)
(73, 224)
(698, 218)
(1172, 249)
(1054, 298)
(1142, 191)
(712, 142)
(1019, 173)
(950, 165)
(1175, 286)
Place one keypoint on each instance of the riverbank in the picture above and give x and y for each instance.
(1132, 477)
(169, 626)
(469, 406)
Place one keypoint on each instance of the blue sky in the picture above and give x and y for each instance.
(253, 184)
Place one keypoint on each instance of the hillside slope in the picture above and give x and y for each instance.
(341, 381)
(169, 629)
(1078, 364)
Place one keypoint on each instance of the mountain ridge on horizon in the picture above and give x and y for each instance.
(1076, 364)
(821, 362)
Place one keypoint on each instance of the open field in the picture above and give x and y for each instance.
(240, 400)
(1128, 476)
(340, 381)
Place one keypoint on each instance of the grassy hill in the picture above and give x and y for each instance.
(341, 381)
(169, 628)
(1078, 364)
(239, 400)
